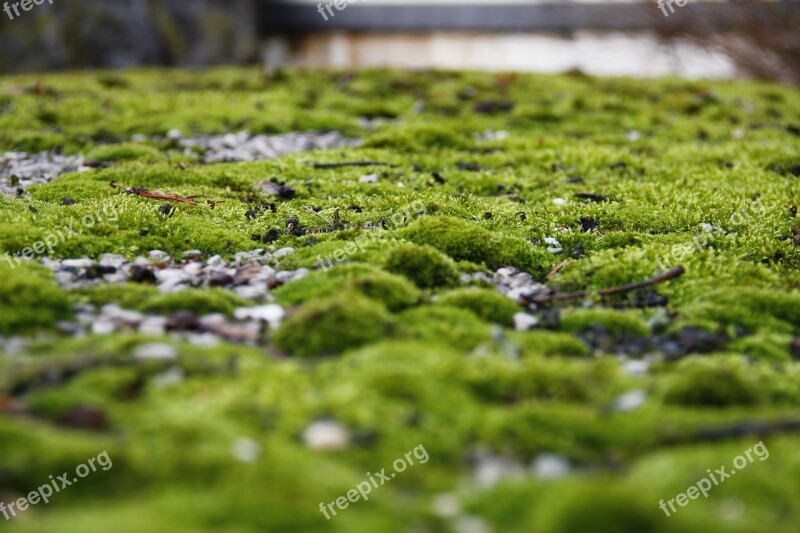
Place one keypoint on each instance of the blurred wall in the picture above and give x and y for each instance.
(118, 33)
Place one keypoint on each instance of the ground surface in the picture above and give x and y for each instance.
(580, 414)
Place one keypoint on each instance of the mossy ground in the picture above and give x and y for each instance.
(409, 357)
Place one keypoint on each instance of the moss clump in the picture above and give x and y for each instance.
(333, 325)
(714, 382)
(395, 292)
(618, 323)
(445, 325)
(464, 240)
(148, 299)
(549, 343)
(417, 138)
(423, 265)
(488, 304)
(29, 299)
(199, 301)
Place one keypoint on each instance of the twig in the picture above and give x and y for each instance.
(742, 429)
(557, 269)
(306, 208)
(353, 164)
(672, 273)
(158, 195)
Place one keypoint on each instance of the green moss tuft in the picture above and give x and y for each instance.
(423, 265)
(29, 299)
(393, 291)
(712, 382)
(444, 325)
(333, 325)
(464, 240)
(488, 304)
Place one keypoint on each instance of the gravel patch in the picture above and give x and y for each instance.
(243, 146)
(19, 170)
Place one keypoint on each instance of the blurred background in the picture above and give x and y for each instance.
(746, 38)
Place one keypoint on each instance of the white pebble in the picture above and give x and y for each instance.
(155, 351)
(326, 435)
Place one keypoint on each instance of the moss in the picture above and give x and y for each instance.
(417, 138)
(29, 299)
(333, 325)
(618, 323)
(463, 240)
(433, 373)
(444, 325)
(488, 304)
(423, 265)
(199, 301)
(549, 343)
(394, 292)
(715, 382)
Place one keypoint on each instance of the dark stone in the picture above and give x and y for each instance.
(220, 279)
(98, 271)
(182, 321)
(696, 340)
(141, 274)
(68, 201)
(588, 224)
(143, 233)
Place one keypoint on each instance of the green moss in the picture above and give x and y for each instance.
(417, 138)
(463, 240)
(394, 292)
(199, 301)
(618, 323)
(423, 265)
(29, 299)
(713, 382)
(488, 304)
(549, 343)
(333, 325)
(445, 325)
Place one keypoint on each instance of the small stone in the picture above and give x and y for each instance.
(283, 252)
(153, 325)
(271, 313)
(326, 435)
(77, 263)
(446, 505)
(168, 378)
(559, 201)
(67, 201)
(246, 450)
(629, 401)
(174, 134)
(155, 351)
(636, 367)
(103, 326)
(369, 178)
(524, 321)
(548, 466)
(191, 254)
(182, 321)
(159, 255)
(220, 279)
(142, 274)
(555, 246)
